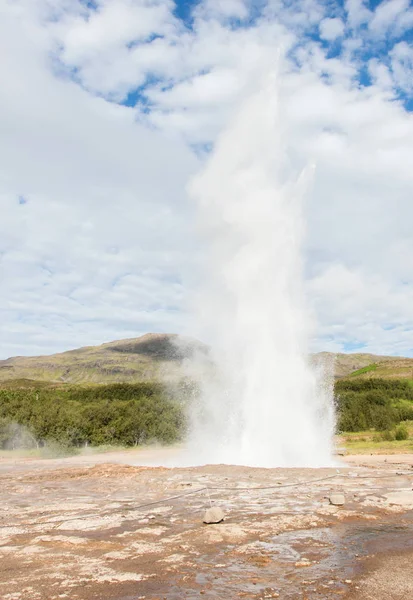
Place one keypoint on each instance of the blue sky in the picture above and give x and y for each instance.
(109, 108)
(374, 46)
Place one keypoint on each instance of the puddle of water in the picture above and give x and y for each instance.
(315, 562)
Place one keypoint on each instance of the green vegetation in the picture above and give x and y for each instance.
(75, 416)
(372, 403)
(367, 369)
(64, 418)
(364, 442)
(401, 433)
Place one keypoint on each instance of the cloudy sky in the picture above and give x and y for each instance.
(108, 107)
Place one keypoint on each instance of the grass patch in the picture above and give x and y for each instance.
(367, 369)
(373, 442)
(56, 451)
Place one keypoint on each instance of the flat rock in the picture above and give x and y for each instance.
(213, 515)
(401, 498)
(303, 563)
(337, 499)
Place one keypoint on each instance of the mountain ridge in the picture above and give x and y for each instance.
(156, 356)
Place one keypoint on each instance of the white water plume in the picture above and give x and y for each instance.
(263, 404)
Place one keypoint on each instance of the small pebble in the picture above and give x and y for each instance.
(303, 563)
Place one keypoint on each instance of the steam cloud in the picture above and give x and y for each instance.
(263, 404)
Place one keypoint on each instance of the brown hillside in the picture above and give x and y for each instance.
(152, 356)
(159, 356)
(370, 365)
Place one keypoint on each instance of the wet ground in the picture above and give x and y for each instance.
(97, 528)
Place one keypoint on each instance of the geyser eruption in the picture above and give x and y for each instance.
(262, 404)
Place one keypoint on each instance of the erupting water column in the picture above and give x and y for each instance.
(263, 405)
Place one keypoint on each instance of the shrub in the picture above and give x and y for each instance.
(64, 417)
(386, 436)
(401, 433)
(405, 410)
(373, 403)
(382, 417)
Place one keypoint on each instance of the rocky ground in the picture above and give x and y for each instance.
(98, 528)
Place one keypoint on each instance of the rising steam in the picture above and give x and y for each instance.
(263, 404)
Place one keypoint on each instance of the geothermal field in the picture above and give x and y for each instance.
(257, 504)
(251, 195)
(104, 527)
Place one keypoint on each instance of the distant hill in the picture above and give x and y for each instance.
(150, 357)
(370, 365)
(156, 356)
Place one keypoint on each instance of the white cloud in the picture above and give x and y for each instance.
(370, 313)
(357, 12)
(402, 66)
(112, 25)
(386, 16)
(381, 75)
(104, 205)
(216, 9)
(105, 238)
(101, 43)
(331, 29)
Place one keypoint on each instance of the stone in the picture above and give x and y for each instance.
(303, 563)
(337, 499)
(403, 497)
(213, 515)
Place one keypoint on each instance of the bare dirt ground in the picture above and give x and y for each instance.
(96, 527)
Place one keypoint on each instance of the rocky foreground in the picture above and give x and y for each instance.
(97, 528)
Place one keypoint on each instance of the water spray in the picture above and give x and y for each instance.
(263, 404)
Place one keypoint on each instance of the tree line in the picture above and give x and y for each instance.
(119, 414)
(132, 414)
(373, 403)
